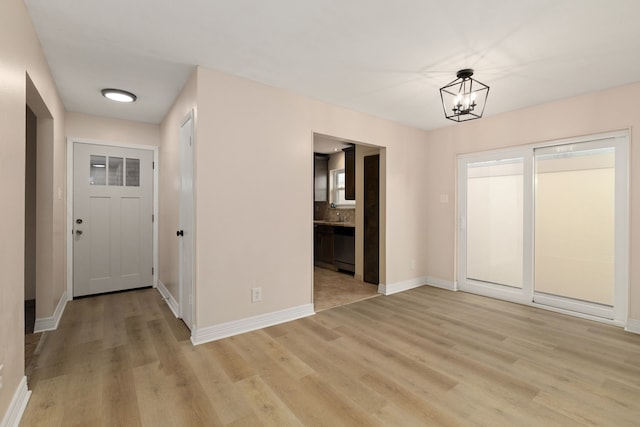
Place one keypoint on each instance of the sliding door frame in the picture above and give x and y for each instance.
(484, 288)
(525, 295)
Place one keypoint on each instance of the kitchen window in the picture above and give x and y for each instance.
(337, 189)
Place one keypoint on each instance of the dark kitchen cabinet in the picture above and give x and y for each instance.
(335, 247)
(323, 245)
(350, 173)
(371, 202)
(320, 178)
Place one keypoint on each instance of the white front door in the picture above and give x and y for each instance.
(185, 232)
(112, 219)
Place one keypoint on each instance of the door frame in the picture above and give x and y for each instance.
(622, 215)
(490, 289)
(182, 305)
(69, 220)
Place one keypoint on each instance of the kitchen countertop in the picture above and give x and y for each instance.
(334, 223)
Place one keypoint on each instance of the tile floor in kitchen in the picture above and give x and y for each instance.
(333, 289)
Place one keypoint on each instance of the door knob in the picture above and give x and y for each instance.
(78, 232)
(180, 233)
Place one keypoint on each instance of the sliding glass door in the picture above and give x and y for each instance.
(547, 225)
(575, 225)
(493, 202)
(494, 221)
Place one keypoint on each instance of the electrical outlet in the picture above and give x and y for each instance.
(413, 264)
(256, 294)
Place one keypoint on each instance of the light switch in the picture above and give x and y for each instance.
(256, 294)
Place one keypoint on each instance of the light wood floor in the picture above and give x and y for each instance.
(424, 357)
(333, 289)
(31, 339)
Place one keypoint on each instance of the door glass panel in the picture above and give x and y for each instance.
(97, 170)
(115, 171)
(574, 223)
(495, 222)
(133, 172)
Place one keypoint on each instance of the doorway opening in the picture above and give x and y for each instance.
(347, 230)
(38, 211)
(31, 339)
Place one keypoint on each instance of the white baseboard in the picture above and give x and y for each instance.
(393, 288)
(633, 325)
(171, 301)
(51, 323)
(17, 406)
(224, 330)
(441, 283)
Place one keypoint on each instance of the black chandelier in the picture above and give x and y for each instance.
(464, 98)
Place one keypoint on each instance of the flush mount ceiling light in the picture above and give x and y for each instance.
(464, 98)
(118, 95)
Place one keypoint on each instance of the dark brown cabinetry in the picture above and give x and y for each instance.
(371, 262)
(320, 178)
(334, 247)
(350, 173)
(323, 245)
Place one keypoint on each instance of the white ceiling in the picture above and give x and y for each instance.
(327, 144)
(381, 57)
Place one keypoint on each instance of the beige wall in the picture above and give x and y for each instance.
(252, 139)
(21, 54)
(103, 129)
(591, 113)
(170, 186)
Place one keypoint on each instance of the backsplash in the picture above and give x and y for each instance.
(322, 211)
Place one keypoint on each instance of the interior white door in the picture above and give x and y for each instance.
(185, 232)
(112, 219)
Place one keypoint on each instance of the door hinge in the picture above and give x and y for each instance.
(152, 270)
(153, 165)
(153, 218)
